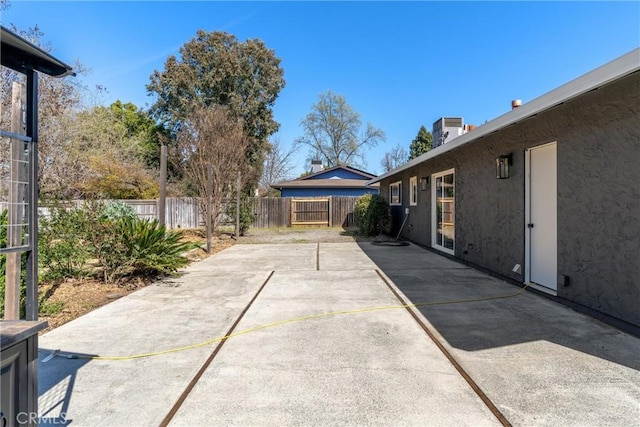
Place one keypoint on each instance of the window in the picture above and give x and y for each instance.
(395, 193)
(413, 191)
(443, 216)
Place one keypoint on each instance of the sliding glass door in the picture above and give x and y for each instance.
(443, 212)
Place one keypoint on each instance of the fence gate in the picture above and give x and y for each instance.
(310, 211)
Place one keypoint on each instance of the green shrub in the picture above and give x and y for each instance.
(247, 216)
(115, 210)
(4, 222)
(3, 258)
(155, 249)
(133, 246)
(372, 214)
(62, 249)
(108, 247)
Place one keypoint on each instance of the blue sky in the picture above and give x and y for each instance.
(400, 65)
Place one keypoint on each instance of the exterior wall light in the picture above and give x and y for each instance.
(424, 183)
(503, 164)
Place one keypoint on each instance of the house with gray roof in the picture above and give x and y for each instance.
(335, 181)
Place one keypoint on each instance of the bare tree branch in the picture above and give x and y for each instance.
(394, 158)
(277, 166)
(212, 138)
(331, 132)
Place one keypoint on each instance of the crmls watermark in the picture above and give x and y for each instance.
(33, 418)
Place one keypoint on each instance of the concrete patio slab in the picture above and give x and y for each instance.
(539, 362)
(280, 257)
(176, 313)
(343, 256)
(371, 368)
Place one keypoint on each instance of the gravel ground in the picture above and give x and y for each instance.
(301, 235)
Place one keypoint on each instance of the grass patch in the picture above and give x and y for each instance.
(51, 308)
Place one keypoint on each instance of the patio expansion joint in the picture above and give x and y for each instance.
(176, 407)
(474, 386)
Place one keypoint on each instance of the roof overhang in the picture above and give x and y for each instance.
(614, 70)
(344, 167)
(22, 56)
(322, 183)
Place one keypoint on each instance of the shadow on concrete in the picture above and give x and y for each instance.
(56, 380)
(424, 276)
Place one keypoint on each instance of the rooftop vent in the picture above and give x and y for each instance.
(453, 122)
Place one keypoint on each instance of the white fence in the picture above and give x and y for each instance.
(180, 212)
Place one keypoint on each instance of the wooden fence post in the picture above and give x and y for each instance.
(208, 210)
(162, 203)
(238, 205)
(288, 211)
(16, 199)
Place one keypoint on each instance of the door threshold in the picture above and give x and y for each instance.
(541, 288)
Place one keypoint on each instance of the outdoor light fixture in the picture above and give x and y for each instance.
(502, 166)
(424, 182)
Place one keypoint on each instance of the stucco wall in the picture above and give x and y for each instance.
(599, 203)
(598, 146)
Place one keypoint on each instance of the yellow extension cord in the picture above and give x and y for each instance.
(284, 322)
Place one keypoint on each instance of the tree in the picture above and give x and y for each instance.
(113, 178)
(141, 127)
(332, 132)
(212, 141)
(394, 158)
(58, 102)
(422, 143)
(214, 69)
(94, 152)
(108, 148)
(277, 166)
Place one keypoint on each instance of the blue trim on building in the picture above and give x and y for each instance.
(325, 192)
(338, 173)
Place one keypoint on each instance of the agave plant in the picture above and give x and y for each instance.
(129, 245)
(152, 248)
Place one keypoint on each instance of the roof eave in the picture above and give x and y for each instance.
(320, 186)
(611, 71)
(349, 168)
(22, 56)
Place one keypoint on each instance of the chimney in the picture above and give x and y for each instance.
(316, 166)
(516, 103)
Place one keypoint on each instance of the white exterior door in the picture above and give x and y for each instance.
(541, 221)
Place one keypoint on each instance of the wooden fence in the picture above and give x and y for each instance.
(278, 212)
(314, 211)
(184, 212)
(271, 212)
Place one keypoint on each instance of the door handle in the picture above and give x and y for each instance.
(530, 225)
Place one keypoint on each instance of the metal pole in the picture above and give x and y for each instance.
(32, 255)
(209, 197)
(162, 203)
(238, 206)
